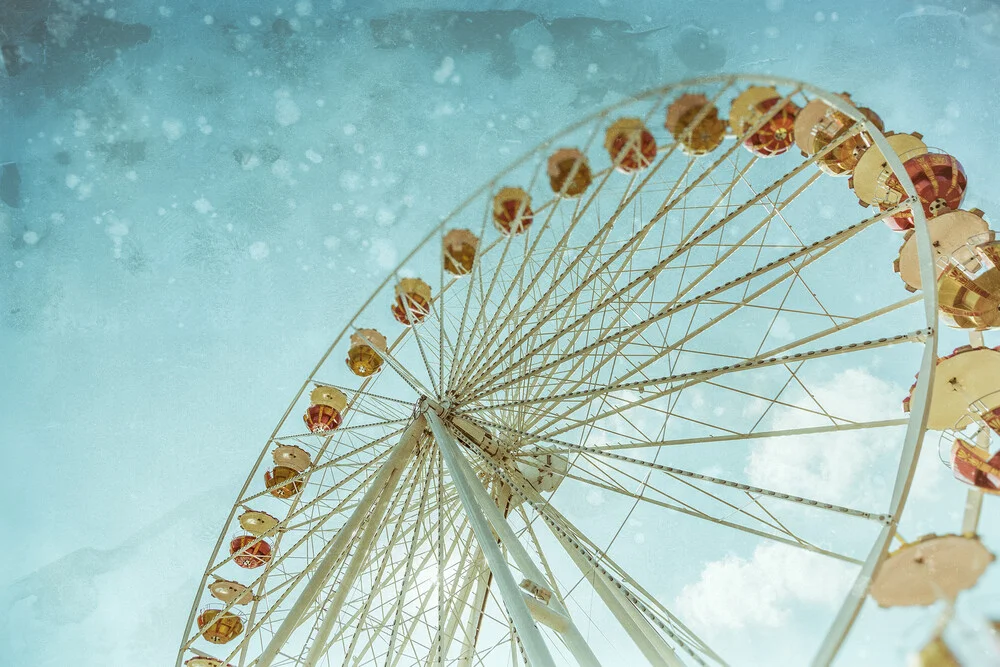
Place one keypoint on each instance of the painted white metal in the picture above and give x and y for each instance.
(484, 363)
(360, 559)
(460, 467)
(397, 460)
(918, 403)
(638, 627)
(510, 592)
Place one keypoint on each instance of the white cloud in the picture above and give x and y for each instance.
(832, 466)
(735, 593)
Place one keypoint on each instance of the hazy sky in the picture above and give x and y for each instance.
(161, 301)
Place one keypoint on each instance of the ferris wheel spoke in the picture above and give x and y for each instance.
(540, 386)
(611, 482)
(484, 298)
(290, 582)
(646, 279)
(581, 206)
(666, 385)
(596, 242)
(475, 275)
(789, 346)
(377, 584)
(491, 330)
(775, 533)
(402, 371)
(746, 488)
(623, 336)
(392, 655)
(636, 617)
(562, 382)
(672, 203)
(386, 401)
(380, 553)
(624, 255)
(313, 526)
(341, 586)
(396, 612)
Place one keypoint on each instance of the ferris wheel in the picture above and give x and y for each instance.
(656, 320)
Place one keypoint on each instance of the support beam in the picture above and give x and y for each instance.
(555, 612)
(510, 592)
(974, 497)
(360, 559)
(379, 486)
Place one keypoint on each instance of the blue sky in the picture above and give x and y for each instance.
(158, 312)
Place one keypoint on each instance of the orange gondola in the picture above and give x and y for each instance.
(630, 145)
(218, 626)
(569, 172)
(327, 409)
(695, 125)
(280, 483)
(413, 301)
(249, 552)
(459, 246)
(363, 356)
(512, 212)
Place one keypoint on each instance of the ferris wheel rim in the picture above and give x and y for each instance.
(917, 419)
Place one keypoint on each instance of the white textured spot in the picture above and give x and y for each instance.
(350, 181)
(242, 42)
(255, 21)
(173, 129)
(72, 180)
(446, 69)
(259, 251)
(422, 150)
(30, 238)
(774, 5)
(208, 19)
(166, 12)
(203, 206)
(331, 242)
(385, 217)
(282, 169)
(313, 156)
(543, 56)
(303, 8)
(383, 253)
(80, 126)
(349, 129)
(117, 230)
(595, 498)
(286, 111)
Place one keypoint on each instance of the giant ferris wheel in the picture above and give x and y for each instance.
(628, 331)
